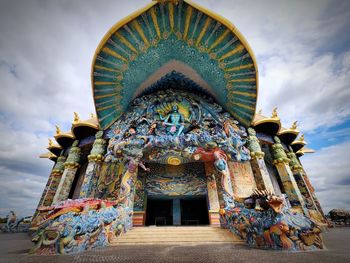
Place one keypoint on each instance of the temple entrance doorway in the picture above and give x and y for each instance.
(183, 211)
(194, 211)
(159, 212)
(174, 194)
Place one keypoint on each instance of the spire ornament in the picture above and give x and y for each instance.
(168, 1)
(274, 113)
(76, 117)
(58, 130)
(50, 142)
(294, 125)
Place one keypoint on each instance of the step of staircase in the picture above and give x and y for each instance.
(176, 235)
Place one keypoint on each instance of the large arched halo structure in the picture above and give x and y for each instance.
(174, 43)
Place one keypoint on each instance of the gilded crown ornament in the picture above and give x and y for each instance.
(274, 113)
(294, 125)
(58, 130)
(168, 1)
(76, 117)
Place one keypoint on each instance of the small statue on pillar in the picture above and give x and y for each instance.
(98, 148)
(254, 145)
(74, 156)
(279, 155)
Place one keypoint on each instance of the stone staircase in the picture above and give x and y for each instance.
(176, 235)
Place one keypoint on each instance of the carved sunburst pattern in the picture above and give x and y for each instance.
(162, 34)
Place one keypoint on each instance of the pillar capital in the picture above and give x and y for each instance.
(254, 145)
(294, 163)
(73, 156)
(98, 148)
(278, 153)
(59, 166)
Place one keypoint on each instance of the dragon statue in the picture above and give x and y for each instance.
(77, 225)
(263, 221)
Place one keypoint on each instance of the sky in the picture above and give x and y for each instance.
(46, 49)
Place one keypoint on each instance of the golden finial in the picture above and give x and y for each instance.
(274, 113)
(294, 125)
(76, 117)
(50, 142)
(165, 1)
(58, 130)
(302, 138)
(260, 111)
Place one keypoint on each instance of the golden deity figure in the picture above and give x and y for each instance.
(294, 125)
(274, 113)
(58, 130)
(76, 117)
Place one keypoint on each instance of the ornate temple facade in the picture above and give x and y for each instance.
(176, 140)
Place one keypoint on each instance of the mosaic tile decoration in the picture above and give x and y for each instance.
(184, 34)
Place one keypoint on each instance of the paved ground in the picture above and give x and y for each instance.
(14, 248)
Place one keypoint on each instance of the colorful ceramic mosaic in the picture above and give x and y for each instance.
(78, 225)
(147, 46)
(270, 230)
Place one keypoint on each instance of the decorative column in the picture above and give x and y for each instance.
(51, 185)
(305, 188)
(56, 174)
(221, 166)
(314, 197)
(213, 198)
(127, 188)
(70, 168)
(262, 176)
(92, 171)
(281, 161)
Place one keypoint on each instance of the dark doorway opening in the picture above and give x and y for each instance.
(159, 212)
(194, 211)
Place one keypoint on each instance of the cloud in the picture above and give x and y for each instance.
(46, 49)
(329, 172)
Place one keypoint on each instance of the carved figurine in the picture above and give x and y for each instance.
(73, 156)
(279, 155)
(174, 120)
(254, 145)
(98, 148)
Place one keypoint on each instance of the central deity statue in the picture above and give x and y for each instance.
(174, 120)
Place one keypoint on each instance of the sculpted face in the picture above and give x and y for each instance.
(175, 108)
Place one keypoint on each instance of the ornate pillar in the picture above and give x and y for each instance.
(312, 191)
(56, 175)
(262, 176)
(222, 167)
(213, 198)
(92, 171)
(127, 184)
(70, 168)
(51, 185)
(281, 161)
(306, 189)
